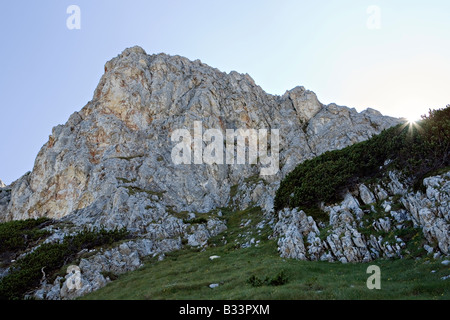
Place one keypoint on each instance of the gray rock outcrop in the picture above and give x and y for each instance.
(94, 272)
(5, 197)
(356, 234)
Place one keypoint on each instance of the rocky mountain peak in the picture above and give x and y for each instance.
(111, 163)
(305, 103)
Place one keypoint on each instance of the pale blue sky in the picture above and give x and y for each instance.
(49, 71)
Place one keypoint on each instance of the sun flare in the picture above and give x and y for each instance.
(412, 119)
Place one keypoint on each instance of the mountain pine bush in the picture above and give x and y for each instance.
(26, 272)
(416, 149)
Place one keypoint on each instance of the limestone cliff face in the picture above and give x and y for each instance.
(110, 163)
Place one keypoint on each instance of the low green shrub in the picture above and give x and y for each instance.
(279, 280)
(414, 149)
(111, 275)
(16, 235)
(196, 220)
(27, 272)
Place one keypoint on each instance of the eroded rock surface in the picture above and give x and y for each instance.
(376, 221)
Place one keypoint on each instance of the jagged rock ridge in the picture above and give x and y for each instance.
(371, 223)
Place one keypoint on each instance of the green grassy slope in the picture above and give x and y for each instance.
(187, 274)
(417, 150)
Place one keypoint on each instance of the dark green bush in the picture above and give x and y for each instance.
(16, 235)
(279, 280)
(326, 176)
(26, 273)
(415, 149)
(254, 281)
(111, 275)
(196, 220)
